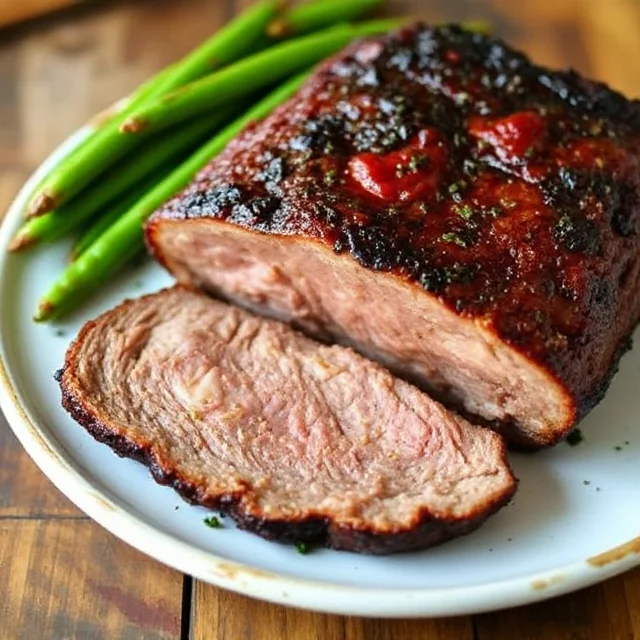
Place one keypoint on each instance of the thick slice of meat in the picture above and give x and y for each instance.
(298, 441)
(441, 204)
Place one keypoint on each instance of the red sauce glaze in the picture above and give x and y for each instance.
(513, 138)
(411, 173)
(594, 155)
(452, 56)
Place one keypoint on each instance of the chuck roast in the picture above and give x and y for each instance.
(441, 204)
(298, 441)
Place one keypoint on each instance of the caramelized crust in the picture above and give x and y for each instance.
(507, 192)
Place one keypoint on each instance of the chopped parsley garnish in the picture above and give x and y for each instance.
(495, 211)
(302, 548)
(459, 139)
(575, 438)
(417, 162)
(453, 238)
(212, 522)
(330, 177)
(464, 211)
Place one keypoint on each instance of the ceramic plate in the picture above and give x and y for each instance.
(574, 521)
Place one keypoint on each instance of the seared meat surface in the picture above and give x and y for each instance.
(440, 203)
(298, 441)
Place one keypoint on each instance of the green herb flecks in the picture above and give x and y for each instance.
(495, 211)
(212, 522)
(302, 547)
(464, 211)
(330, 177)
(413, 165)
(417, 162)
(451, 237)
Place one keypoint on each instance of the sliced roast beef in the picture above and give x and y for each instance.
(298, 441)
(438, 202)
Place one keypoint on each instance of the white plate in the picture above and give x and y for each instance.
(575, 520)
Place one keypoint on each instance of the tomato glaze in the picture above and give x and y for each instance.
(411, 173)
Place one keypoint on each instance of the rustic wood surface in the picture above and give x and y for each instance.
(64, 577)
(14, 11)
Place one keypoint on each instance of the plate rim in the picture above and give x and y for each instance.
(34, 434)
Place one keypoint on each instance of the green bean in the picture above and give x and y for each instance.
(124, 239)
(312, 16)
(170, 146)
(114, 212)
(235, 81)
(105, 145)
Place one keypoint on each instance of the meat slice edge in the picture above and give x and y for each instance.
(297, 440)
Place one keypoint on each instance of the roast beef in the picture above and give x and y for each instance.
(441, 204)
(298, 441)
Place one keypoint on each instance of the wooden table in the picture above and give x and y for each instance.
(62, 576)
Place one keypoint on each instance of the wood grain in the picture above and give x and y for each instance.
(226, 616)
(82, 66)
(13, 11)
(24, 490)
(63, 577)
(71, 579)
(609, 611)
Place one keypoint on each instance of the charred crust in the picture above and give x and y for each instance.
(213, 201)
(578, 235)
(534, 244)
(598, 390)
(427, 533)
